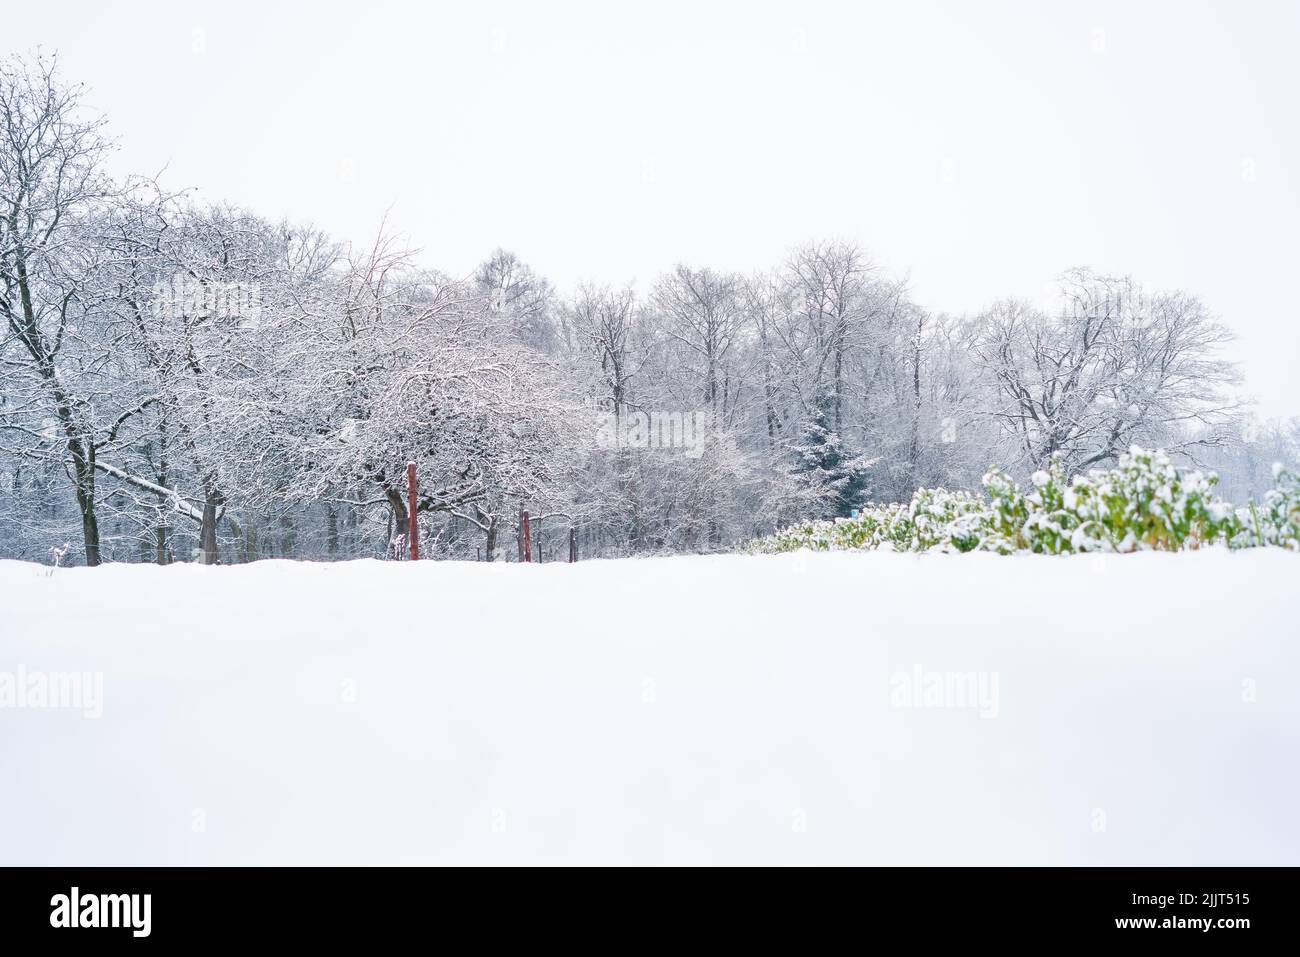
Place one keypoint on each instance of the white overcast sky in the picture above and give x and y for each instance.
(981, 148)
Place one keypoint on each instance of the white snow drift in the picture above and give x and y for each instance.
(845, 708)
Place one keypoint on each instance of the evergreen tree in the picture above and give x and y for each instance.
(836, 473)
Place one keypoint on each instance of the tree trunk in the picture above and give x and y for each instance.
(211, 554)
(89, 526)
(288, 537)
(331, 532)
(914, 442)
(397, 527)
(162, 531)
(83, 471)
(162, 538)
(251, 521)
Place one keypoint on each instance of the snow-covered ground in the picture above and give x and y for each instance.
(1138, 709)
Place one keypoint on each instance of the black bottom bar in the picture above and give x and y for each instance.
(337, 906)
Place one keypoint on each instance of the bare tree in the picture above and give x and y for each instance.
(525, 299)
(51, 186)
(1116, 365)
(701, 313)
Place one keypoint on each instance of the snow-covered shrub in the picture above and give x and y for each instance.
(935, 518)
(1149, 504)
(1009, 513)
(889, 526)
(1145, 503)
(1283, 507)
(874, 526)
(949, 520)
(1276, 521)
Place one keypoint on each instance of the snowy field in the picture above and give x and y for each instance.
(833, 708)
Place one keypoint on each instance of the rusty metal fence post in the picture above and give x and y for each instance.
(412, 521)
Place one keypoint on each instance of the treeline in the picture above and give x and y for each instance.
(183, 382)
